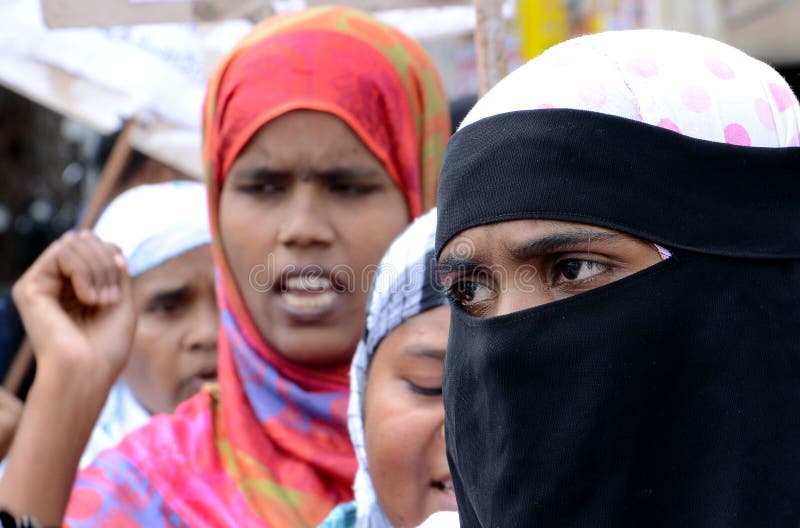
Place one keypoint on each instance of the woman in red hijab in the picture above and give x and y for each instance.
(323, 136)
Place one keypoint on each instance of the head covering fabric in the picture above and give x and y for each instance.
(405, 286)
(666, 398)
(640, 190)
(405, 125)
(692, 85)
(269, 446)
(154, 223)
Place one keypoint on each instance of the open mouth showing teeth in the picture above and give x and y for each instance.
(445, 486)
(308, 292)
(307, 284)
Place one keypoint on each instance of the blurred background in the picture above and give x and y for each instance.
(91, 88)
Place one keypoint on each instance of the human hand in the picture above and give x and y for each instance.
(76, 305)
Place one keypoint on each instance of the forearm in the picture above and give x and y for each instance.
(61, 410)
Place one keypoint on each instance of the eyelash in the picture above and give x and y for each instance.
(456, 290)
(343, 190)
(456, 294)
(424, 391)
(560, 265)
(352, 189)
(166, 308)
(262, 188)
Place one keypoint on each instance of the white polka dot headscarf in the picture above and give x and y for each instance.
(690, 84)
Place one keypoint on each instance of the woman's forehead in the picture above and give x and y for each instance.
(513, 233)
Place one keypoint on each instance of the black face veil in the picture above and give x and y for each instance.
(668, 398)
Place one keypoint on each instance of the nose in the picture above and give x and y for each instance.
(516, 299)
(307, 222)
(204, 327)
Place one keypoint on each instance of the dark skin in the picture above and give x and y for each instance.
(404, 420)
(506, 267)
(174, 348)
(306, 210)
(77, 307)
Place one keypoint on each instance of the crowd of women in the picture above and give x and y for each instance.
(597, 326)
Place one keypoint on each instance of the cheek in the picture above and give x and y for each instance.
(391, 445)
(401, 458)
(395, 433)
(156, 352)
(367, 236)
(245, 230)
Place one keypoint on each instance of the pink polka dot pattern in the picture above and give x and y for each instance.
(643, 67)
(764, 112)
(735, 134)
(592, 93)
(696, 98)
(720, 69)
(669, 125)
(795, 142)
(684, 83)
(781, 95)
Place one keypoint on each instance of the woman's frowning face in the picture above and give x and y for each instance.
(305, 212)
(404, 420)
(506, 267)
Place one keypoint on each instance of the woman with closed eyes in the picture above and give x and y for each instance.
(619, 234)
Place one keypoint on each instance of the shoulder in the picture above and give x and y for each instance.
(343, 516)
(126, 485)
(113, 491)
(121, 414)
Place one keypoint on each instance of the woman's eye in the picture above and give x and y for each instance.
(469, 294)
(575, 270)
(424, 391)
(166, 307)
(263, 188)
(352, 189)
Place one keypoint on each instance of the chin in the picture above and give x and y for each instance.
(307, 352)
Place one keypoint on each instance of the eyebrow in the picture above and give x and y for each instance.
(260, 174)
(451, 263)
(173, 294)
(336, 174)
(331, 175)
(560, 241)
(424, 351)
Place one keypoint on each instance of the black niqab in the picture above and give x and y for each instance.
(668, 398)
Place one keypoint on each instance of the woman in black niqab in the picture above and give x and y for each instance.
(619, 231)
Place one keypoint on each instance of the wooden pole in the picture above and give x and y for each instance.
(110, 177)
(490, 43)
(18, 371)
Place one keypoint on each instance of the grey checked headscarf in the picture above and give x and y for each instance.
(405, 285)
